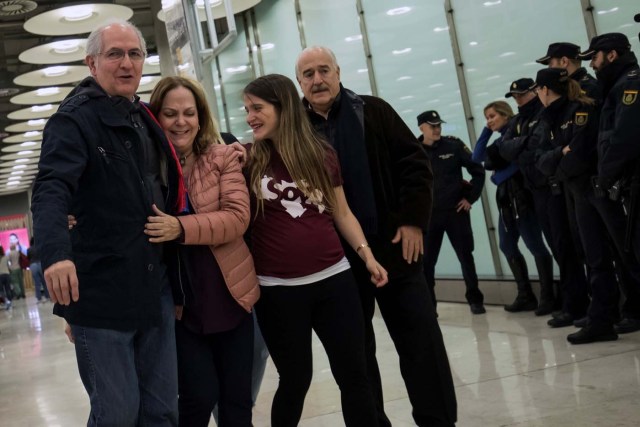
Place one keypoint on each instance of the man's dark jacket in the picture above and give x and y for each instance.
(91, 167)
(400, 173)
(448, 156)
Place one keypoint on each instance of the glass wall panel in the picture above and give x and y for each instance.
(617, 16)
(415, 71)
(279, 37)
(236, 72)
(500, 41)
(334, 23)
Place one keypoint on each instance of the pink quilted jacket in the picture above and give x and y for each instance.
(220, 198)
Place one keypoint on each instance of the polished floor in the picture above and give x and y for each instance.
(509, 370)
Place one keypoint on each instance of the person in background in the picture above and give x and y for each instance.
(551, 210)
(42, 293)
(452, 200)
(5, 279)
(388, 184)
(15, 270)
(106, 161)
(516, 212)
(568, 153)
(298, 208)
(566, 55)
(617, 70)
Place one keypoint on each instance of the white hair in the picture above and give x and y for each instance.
(316, 48)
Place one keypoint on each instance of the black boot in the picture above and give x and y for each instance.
(526, 300)
(545, 274)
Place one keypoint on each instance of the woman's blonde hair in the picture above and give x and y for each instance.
(208, 132)
(302, 150)
(501, 107)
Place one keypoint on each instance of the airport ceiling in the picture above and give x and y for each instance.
(14, 40)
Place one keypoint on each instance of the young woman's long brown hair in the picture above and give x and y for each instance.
(302, 150)
(208, 133)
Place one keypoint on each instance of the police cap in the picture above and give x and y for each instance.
(430, 117)
(553, 78)
(522, 85)
(558, 50)
(606, 42)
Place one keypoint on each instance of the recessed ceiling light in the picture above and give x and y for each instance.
(493, 77)
(401, 51)
(439, 61)
(473, 43)
(440, 29)
(353, 38)
(504, 55)
(17, 172)
(47, 91)
(12, 183)
(31, 133)
(56, 71)
(492, 3)
(40, 108)
(36, 122)
(406, 97)
(78, 13)
(398, 11)
(604, 12)
(401, 78)
(363, 70)
(25, 153)
(21, 160)
(28, 144)
(436, 85)
(19, 167)
(65, 46)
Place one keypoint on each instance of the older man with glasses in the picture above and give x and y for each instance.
(106, 161)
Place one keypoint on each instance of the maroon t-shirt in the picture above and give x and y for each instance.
(294, 236)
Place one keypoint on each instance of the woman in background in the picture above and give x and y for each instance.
(306, 284)
(516, 214)
(5, 279)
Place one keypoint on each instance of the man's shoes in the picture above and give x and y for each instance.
(591, 334)
(477, 308)
(561, 320)
(627, 325)
(582, 322)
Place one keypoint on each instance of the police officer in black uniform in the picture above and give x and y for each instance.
(568, 153)
(452, 200)
(565, 55)
(618, 177)
(551, 209)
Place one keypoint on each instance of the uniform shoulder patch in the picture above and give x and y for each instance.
(629, 97)
(581, 118)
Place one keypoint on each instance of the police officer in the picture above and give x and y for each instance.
(567, 152)
(551, 209)
(565, 55)
(617, 70)
(529, 107)
(452, 200)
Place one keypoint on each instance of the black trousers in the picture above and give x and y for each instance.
(215, 368)
(330, 307)
(409, 314)
(457, 226)
(554, 221)
(628, 268)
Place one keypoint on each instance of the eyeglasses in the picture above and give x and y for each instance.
(113, 55)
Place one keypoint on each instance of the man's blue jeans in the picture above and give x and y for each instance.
(130, 376)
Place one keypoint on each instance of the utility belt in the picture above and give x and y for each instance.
(626, 191)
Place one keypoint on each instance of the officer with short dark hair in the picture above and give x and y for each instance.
(452, 200)
(618, 177)
(565, 55)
